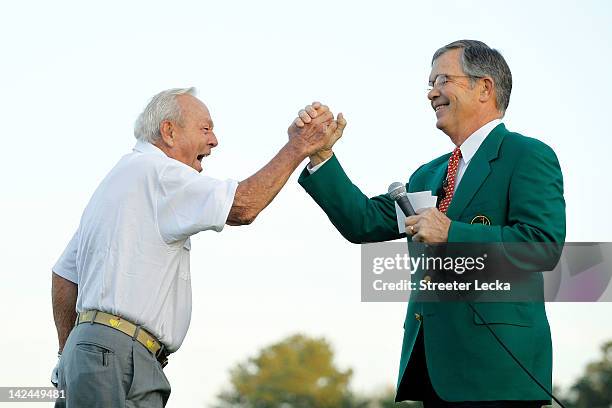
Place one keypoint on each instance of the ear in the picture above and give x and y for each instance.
(486, 89)
(166, 128)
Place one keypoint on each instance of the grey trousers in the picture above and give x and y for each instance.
(103, 367)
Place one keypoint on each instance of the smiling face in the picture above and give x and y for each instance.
(456, 102)
(192, 139)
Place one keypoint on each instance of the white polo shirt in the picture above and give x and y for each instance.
(130, 253)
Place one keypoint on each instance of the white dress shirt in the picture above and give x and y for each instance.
(130, 253)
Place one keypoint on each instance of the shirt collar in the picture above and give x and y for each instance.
(472, 143)
(146, 147)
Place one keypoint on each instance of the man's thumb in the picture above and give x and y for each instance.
(341, 121)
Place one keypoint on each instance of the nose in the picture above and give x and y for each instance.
(433, 94)
(213, 142)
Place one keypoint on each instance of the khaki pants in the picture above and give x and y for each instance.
(102, 367)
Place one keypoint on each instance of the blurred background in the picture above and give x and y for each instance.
(74, 76)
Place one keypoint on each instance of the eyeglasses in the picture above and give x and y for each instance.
(441, 79)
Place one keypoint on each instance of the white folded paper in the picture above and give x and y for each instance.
(419, 200)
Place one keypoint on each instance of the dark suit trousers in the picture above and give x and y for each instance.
(422, 389)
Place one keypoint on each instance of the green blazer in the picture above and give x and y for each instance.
(517, 183)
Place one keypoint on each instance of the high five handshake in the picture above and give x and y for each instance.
(496, 186)
(318, 117)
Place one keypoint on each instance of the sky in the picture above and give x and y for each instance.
(75, 75)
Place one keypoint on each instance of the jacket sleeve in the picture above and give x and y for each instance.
(358, 218)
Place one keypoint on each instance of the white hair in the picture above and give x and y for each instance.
(163, 106)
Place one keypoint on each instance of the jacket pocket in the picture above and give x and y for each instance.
(503, 313)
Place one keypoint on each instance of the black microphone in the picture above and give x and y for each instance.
(397, 192)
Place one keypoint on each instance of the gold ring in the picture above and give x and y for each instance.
(412, 230)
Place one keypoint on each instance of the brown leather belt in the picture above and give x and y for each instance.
(136, 332)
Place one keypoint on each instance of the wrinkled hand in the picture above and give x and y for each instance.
(314, 135)
(54, 373)
(428, 226)
(309, 113)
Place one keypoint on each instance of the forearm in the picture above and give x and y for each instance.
(63, 298)
(256, 192)
(358, 218)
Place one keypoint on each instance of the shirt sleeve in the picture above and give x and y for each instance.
(189, 202)
(312, 169)
(66, 266)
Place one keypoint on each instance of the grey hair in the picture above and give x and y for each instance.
(479, 60)
(163, 106)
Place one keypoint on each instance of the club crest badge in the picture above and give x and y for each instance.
(481, 219)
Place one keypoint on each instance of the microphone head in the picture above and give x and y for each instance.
(397, 190)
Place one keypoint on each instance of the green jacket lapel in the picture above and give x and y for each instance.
(437, 178)
(477, 171)
(432, 178)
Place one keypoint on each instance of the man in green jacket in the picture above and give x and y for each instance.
(496, 186)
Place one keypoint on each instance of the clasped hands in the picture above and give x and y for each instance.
(317, 125)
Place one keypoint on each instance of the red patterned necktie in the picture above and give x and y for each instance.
(449, 183)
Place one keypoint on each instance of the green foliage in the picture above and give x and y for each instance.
(296, 373)
(594, 388)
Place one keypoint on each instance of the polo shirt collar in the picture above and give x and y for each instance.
(146, 147)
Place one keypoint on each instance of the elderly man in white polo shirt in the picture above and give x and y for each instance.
(124, 276)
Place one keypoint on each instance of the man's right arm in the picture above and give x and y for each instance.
(358, 218)
(256, 192)
(64, 290)
(63, 298)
